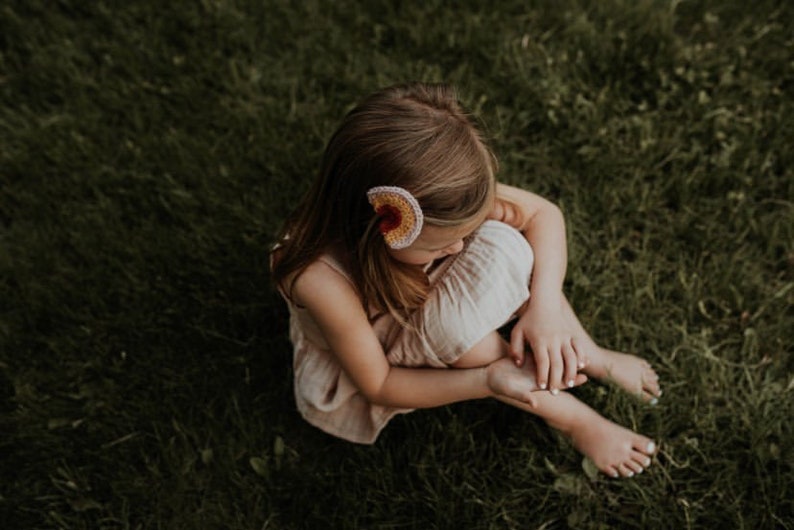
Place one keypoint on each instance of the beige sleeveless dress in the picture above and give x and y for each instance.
(472, 293)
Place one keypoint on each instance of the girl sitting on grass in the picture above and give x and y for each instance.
(403, 261)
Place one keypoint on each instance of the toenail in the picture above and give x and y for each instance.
(543, 386)
(640, 471)
(615, 474)
(647, 462)
(631, 474)
(651, 447)
(570, 383)
(653, 401)
(581, 364)
(554, 391)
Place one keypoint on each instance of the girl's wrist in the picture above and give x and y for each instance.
(482, 377)
(545, 296)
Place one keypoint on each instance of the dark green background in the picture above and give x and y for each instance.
(150, 150)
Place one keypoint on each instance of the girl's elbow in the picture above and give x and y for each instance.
(553, 209)
(380, 395)
(383, 393)
(380, 399)
(373, 396)
(374, 391)
(549, 213)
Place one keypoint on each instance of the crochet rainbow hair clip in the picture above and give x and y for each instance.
(400, 215)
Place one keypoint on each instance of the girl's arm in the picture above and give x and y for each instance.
(337, 310)
(552, 340)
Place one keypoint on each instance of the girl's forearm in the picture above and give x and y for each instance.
(545, 232)
(418, 388)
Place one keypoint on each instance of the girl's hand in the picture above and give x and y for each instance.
(553, 342)
(505, 379)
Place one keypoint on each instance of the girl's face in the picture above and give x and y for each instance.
(434, 242)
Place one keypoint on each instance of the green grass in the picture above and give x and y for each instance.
(150, 150)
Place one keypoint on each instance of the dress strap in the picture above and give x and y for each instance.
(335, 264)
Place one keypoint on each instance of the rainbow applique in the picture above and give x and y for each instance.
(400, 215)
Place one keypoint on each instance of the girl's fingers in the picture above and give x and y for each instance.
(581, 355)
(556, 367)
(518, 358)
(517, 347)
(571, 368)
(541, 367)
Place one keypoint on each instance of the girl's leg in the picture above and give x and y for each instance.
(615, 450)
(488, 350)
(631, 373)
(446, 322)
(472, 294)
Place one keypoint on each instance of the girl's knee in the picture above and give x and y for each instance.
(475, 295)
(511, 253)
(495, 268)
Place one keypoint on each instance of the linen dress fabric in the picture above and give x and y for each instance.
(472, 294)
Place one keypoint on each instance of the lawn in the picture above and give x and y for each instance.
(149, 152)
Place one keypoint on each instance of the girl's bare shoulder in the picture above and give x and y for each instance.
(320, 280)
(336, 307)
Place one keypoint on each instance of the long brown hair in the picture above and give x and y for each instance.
(416, 136)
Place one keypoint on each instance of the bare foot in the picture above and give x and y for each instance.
(629, 372)
(615, 450)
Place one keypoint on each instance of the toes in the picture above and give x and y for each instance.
(634, 464)
(625, 470)
(641, 460)
(651, 391)
(644, 445)
(635, 467)
(657, 393)
(651, 398)
(649, 376)
(631, 467)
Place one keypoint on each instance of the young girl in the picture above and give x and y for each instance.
(404, 259)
